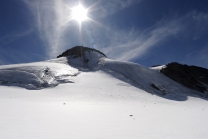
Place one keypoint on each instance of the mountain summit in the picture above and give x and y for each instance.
(84, 95)
(79, 51)
(171, 80)
(83, 56)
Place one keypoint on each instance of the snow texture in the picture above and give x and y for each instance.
(100, 98)
(98, 105)
(51, 73)
(37, 75)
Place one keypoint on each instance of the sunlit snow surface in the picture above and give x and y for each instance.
(37, 75)
(40, 75)
(66, 98)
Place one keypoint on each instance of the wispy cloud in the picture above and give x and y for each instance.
(49, 16)
(108, 7)
(128, 45)
(52, 20)
(58, 34)
(8, 38)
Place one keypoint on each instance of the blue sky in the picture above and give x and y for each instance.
(148, 32)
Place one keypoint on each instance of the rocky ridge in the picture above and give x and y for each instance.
(190, 76)
(193, 77)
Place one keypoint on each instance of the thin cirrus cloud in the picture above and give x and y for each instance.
(129, 45)
(52, 19)
(14, 36)
(108, 7)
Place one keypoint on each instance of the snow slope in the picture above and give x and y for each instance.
(36, 75)
(100, 99)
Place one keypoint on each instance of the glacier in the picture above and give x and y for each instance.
(72, 97)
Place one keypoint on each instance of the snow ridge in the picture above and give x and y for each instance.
(36, 76)
(65, 69)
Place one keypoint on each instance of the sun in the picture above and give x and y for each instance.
(79, 13)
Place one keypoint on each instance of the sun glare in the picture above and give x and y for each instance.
(79, 13)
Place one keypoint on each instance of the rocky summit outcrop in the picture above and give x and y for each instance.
(78, 51)
(83, 57)
(190, 76)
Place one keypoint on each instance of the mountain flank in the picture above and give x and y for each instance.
(193, 77)
(190, 76)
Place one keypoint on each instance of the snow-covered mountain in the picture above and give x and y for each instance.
(83, 94)
(82, 59)
(192, 77)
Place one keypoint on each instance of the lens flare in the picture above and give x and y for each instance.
(79, 13)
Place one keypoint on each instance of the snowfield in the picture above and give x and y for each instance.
(36, 75)
(66, 98)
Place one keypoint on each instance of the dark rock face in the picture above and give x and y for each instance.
(154, 86)
(78, 51)
(190, 76)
